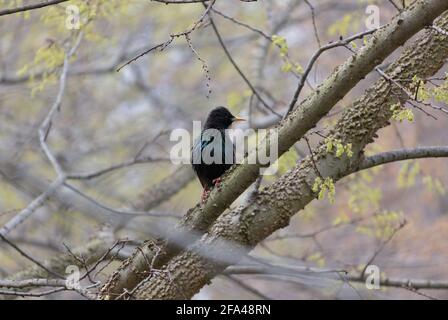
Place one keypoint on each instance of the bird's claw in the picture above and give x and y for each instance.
(217, 182)
(205, 195)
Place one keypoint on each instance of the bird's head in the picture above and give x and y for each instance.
(220, 118)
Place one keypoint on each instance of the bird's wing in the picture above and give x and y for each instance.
(198, 146)
(196, 160)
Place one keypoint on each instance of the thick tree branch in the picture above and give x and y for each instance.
(272, 212)
(277, 203)
(403, 154)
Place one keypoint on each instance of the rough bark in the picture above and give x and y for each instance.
(188, 272)
(303, 118)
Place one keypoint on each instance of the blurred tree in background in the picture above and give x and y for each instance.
(90, 91)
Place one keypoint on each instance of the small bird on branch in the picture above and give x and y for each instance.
(213, 152)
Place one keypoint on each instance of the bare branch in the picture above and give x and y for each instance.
(238, 69)
(162, 46)
(293, 271)
(403, 154)
(44, 130)
(27, 256)
(316, 55)
(30, 7)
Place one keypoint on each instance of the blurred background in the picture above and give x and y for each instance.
(108, 118)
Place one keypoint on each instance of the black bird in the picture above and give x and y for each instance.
(213, 152)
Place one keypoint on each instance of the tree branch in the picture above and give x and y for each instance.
(277, 203)
(403, 154)
(291, 271)
(274, 211)
(30, 7)
(43, 131)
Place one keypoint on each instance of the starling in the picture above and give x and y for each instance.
(213, 152)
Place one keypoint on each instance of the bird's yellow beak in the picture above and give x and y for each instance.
(236, 119)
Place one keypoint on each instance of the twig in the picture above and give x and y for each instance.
(30, 7)
(23, 253)
(162, 46)
(237, 68)
(43, 131)
(120, 212)
(96, 174)
(381, 247)
(316, 55)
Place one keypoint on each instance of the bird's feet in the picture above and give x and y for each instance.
(217, 182)
(205, 195)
